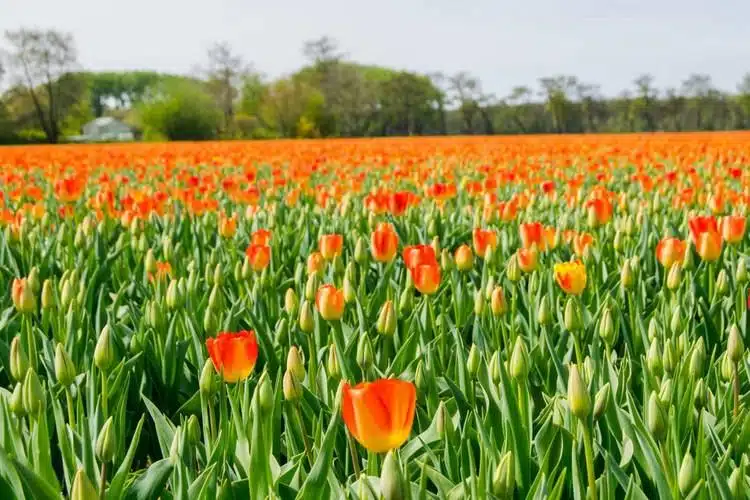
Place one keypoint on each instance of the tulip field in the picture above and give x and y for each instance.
(436, 318)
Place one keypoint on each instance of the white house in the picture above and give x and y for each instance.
(105, 129)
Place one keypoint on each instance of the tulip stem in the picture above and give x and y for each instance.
(305, 440)
(103, 481)
(355, 455)
(69, 401)
(588, 446)
(577, 343)
(313, 363)
(736, 386)
(104, 394)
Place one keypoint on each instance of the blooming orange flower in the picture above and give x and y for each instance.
(379, 414)
(384, 242)
(670, 250)
(706, 236)
(331, 245)
(580, 242)
(415, 255)
(233, 354)
(227, 225)
(600, 209)
(261, 237)
(259, 256)
(527, 259)
(733, 228)
(69, 189)
(571, 276)
(426, 277)
(163, 269)
(533, 233)
(484, 240)
(330, 302)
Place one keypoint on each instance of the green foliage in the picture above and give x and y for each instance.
(180, 111)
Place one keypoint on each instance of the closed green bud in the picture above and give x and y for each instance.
(282, 332)
(332, 363)
(655, 418)
(193, 432)
(618, 242)
(519, 360)
(338, 265)
(666, 391)
(207, 381)
(737, 484)
(350, 292)
(105, 442)
(218, 276)
(726, 368)
(292, 387)
(34, 399)
(503, 479)
(16, 401)
(386, 324)
(669, 359)
(311, 287)
(601, 400)
(654, 359)
(435, 244)
(472, 363)
(104, 352)
(237, 273)
(295, 364)
(653, 330)
(215, 298)
(19, 362)
(247, 269)
(512, 271)
(65, 371)
(82, 489)
(446, 260)
(291, 303)
(578, 394)
(443, 422)
(573, 317)
(478, 302)
(420, 378)
(681, 345)
(406, 301)
(210, 321)
(607, 331)
(175, 449)
(741, 275)
(392, 483)
(722, 283)
(674, 278)
(360, 251)
(149, 262)
(626, 275)
(265, 393)
(489, 288)
(364, 353)
(700, 394)
(494, 368)
(698, 359)
(735, 345)
(174, 297)
(48, 295)
(306, 320)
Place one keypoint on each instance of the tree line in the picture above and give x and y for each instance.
(48, 97)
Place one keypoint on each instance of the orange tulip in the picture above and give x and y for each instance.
(670, 250)
(379, 414)
(331, 245)
(233, 354)
(464, 258)
(261, 237)
(571, 276)
(227, 225)
(600, 210)
(550, 234)
(533, 233)
(706, 236)
(330, 302)
(426, 277)
(415, 255)
(580, 242)
(22, 296)
(315, 263)
(259, 256)
(527, 259)
(733, 228)
(702, 224)
(384, 242)
(483, 241)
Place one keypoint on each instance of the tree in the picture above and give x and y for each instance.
(744, 99)
(225, 72)
(643, 104)
(556, 91)
(472, 103)
(181, 111)
(39, 60)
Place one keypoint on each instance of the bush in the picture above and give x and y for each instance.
(182, 111)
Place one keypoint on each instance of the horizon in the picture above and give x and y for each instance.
(441, 37)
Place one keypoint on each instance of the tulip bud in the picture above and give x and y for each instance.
(338, 265)
(573, 316)
(512, 271)
(265, 393)
(698, 358)
(464, 258)
(34, 399)
(193, 430)
(726, 368)
(618, 242)
(735, 345)
(478, 303)
(674, 277)
(306, 321)
(420, 379)
(519, 360)
(472, 363)
(66, 293)
(210, 321)
(311, 287)
(653, 329)
(48, 296)
(494, 368)
(104, 353)
(503, 479)
(737, 483)
(700, 394)
(207, 381)
(668, 357)
(722, 283)
(350, 292)
(655, 419)
(364, 353)
(292, 387)
(82, 489)
(19, 362)
(332, 363)
(654, 359)
(445, 260)
(601, 400)
(291, 302)
(386, 324)
(741, 275)
(16, 401)
(578, 394)
(626, 275)
(360, 251)
(174, 298)
(149, 262)
(607, 330)
(105, 442)
(406, 301)
(392, 483)
(497, 302)
(65, 371)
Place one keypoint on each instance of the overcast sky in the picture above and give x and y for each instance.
(504, 43)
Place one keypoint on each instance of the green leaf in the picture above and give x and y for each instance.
(118, 480)
(164, 428)
(151, 483)
(314, 485)
(39, 488)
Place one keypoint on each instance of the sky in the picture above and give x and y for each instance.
(503, 43)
